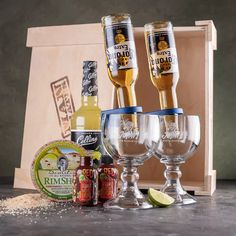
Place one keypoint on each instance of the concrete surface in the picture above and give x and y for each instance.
(214, 216)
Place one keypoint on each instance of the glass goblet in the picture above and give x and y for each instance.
(178, 138)
(124, 137)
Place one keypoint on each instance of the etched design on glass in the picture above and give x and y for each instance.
(128, 130)
(171, 133)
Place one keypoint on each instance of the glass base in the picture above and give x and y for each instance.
(121, 203)
(173, 186)
(179, 194)
(187, 199)
(183, 199)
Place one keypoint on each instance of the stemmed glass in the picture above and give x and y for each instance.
(124, 137)
(178, 137)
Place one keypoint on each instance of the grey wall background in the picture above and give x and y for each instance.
(16, 16)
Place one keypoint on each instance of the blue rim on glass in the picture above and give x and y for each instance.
(172, 111)
(123, 110)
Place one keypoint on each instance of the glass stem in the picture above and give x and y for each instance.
(129, 179)
(173, 175)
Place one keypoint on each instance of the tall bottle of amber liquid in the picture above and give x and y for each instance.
(163, 61)
(121, 56)
(85, 122)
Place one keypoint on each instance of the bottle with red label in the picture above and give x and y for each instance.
(85, 183)
(108, 179)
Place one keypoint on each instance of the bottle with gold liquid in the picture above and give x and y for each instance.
(121, 56)
(163, 61)
(85, 122)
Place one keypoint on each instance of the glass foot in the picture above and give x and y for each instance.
(179, 194)
(184, 199)
(187, 199)
(121, 203)
(173, 186)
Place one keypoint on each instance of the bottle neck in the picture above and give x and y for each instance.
(126, 96)
(86, 161)
(91, 101)
(168, 98)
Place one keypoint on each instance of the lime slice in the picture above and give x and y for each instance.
(157, 198)
(151, 202)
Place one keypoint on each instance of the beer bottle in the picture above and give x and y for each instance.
(163, 61)
(121, 57)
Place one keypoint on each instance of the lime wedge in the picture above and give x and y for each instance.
(151, 202)
(157, 198)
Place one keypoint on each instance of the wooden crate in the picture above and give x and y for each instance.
(58, 52)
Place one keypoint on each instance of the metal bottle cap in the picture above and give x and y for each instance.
(86, 161)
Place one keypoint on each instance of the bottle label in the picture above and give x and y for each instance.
(108, 180)
(120, 47)
(84, 186)
(89, 82)
(163, 55)
(89, 140)
(107, 189)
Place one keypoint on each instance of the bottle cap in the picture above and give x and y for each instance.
(89, 83)
(107, 160)
(172, 111)
(86, 161)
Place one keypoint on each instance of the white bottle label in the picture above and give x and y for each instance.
(163, 56)
(122, 56)
(121, 52)
(164, 61)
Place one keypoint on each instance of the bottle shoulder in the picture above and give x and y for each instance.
(86, 118)
(88, 108)
(83, 111)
